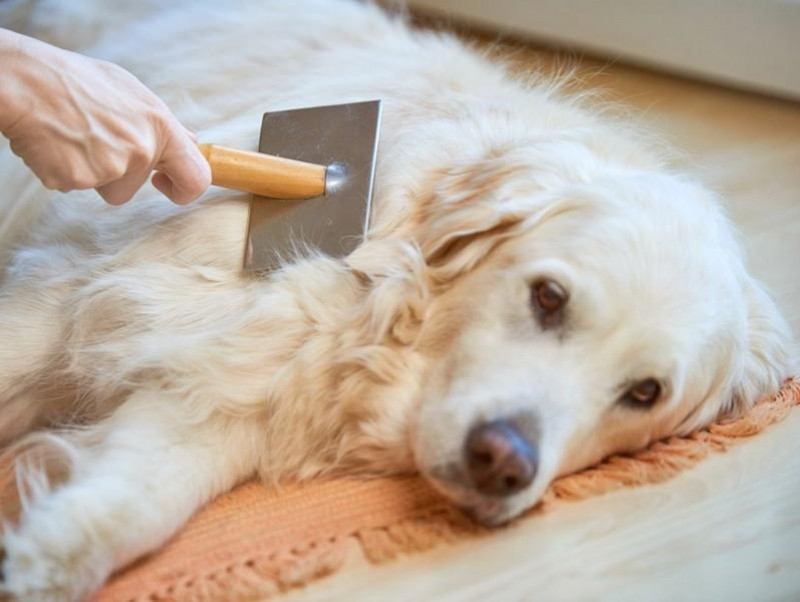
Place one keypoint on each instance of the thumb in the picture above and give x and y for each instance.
(183, 172)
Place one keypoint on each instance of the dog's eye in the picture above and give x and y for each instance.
(548, 299)
(643, 394)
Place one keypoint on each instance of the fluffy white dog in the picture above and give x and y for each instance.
(538, 291)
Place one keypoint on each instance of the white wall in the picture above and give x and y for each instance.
(748, 43)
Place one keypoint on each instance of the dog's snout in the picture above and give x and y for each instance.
(500, 459)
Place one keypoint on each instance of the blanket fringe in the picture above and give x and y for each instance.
(253, 578)
(416, 535)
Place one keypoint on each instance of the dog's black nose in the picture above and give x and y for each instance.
(500, 460)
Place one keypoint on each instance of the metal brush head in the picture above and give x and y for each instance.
(342, 137)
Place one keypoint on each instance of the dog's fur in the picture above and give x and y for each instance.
(179, 377)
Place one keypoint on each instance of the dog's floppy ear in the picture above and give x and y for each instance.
(769, 355)
(455, 222)
(468, 212)
(465, 213)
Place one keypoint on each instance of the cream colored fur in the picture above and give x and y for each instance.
(130, 341)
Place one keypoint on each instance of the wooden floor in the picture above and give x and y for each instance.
(728, 530)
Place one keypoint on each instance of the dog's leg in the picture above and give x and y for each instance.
(148, 470)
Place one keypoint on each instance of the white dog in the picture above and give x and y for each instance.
(538, 291)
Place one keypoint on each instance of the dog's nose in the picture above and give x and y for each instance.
(500, 460)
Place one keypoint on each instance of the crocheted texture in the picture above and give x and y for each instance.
(254, 542)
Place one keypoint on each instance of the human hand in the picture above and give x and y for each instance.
(82, 123)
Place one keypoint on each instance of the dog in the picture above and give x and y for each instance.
(538, 289)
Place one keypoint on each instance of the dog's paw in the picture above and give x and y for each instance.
(49, 567)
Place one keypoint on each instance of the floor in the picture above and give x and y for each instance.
(728, 530)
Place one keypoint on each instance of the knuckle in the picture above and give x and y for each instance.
(60, 181)
(158, 115)
(81, 183)
(48, 179)
(111, 69)
(114, 170)
(141, 156)
(52, 183)
(80, 179)
(115, 198)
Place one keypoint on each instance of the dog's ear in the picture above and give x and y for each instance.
(769, 355)
(454, 223)
(468, 212)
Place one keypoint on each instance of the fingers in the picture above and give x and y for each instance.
(164, 185)
(184, 174)
(121, 191)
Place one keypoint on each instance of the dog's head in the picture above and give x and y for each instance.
(571, 318)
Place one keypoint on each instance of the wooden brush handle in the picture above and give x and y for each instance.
(264, 175)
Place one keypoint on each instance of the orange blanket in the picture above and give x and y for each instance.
(255, 541)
